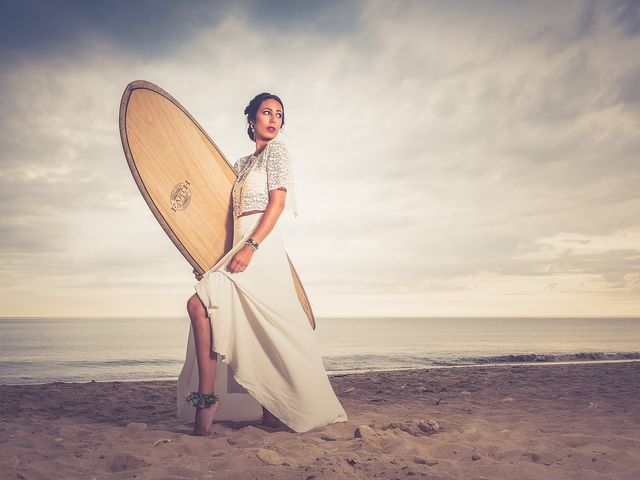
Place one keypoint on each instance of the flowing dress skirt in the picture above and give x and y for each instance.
(268, 354)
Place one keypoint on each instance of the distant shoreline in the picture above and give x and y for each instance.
(336, 374)
(525, 364)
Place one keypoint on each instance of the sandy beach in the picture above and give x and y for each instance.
(576, 421)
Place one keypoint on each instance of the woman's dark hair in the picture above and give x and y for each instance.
(252, 110)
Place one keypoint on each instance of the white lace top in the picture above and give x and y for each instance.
(258, 174)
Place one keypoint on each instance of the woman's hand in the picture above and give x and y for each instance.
(197, 275)
(240, 260)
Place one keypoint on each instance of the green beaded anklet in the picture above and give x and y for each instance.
(201, 400)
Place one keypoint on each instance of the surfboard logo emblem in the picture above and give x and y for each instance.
(180, 196)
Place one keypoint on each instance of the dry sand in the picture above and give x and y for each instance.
(579, 421)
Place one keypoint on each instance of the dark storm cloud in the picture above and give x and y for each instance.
(37, 28)
(628, 16)
(587, 19)
(327, 17)
(41, 28)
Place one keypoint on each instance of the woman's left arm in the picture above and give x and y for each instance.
(271, 214)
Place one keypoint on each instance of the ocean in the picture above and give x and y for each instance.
(43, 350)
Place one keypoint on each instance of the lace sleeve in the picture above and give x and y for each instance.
(280, 173)
(278, 167)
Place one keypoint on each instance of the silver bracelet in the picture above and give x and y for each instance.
(251, 242)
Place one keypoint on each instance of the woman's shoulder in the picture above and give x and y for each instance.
(277, 148)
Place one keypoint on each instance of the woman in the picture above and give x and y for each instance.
(246, 309)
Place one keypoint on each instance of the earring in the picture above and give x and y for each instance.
(251, 125)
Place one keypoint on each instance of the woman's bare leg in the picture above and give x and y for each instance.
(207, 362)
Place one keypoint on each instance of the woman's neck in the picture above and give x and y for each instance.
(260, 146)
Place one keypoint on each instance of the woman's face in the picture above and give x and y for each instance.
(268, 120)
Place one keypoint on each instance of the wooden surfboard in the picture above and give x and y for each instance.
(183, 176)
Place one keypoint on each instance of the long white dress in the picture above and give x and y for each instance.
(268, 354)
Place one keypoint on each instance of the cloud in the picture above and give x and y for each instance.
(627, 16)
(438, 146)
(38, 29)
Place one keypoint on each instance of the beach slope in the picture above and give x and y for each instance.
(576, 421)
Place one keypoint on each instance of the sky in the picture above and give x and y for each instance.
(459, 158)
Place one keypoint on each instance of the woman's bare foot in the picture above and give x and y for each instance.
(204, 419)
